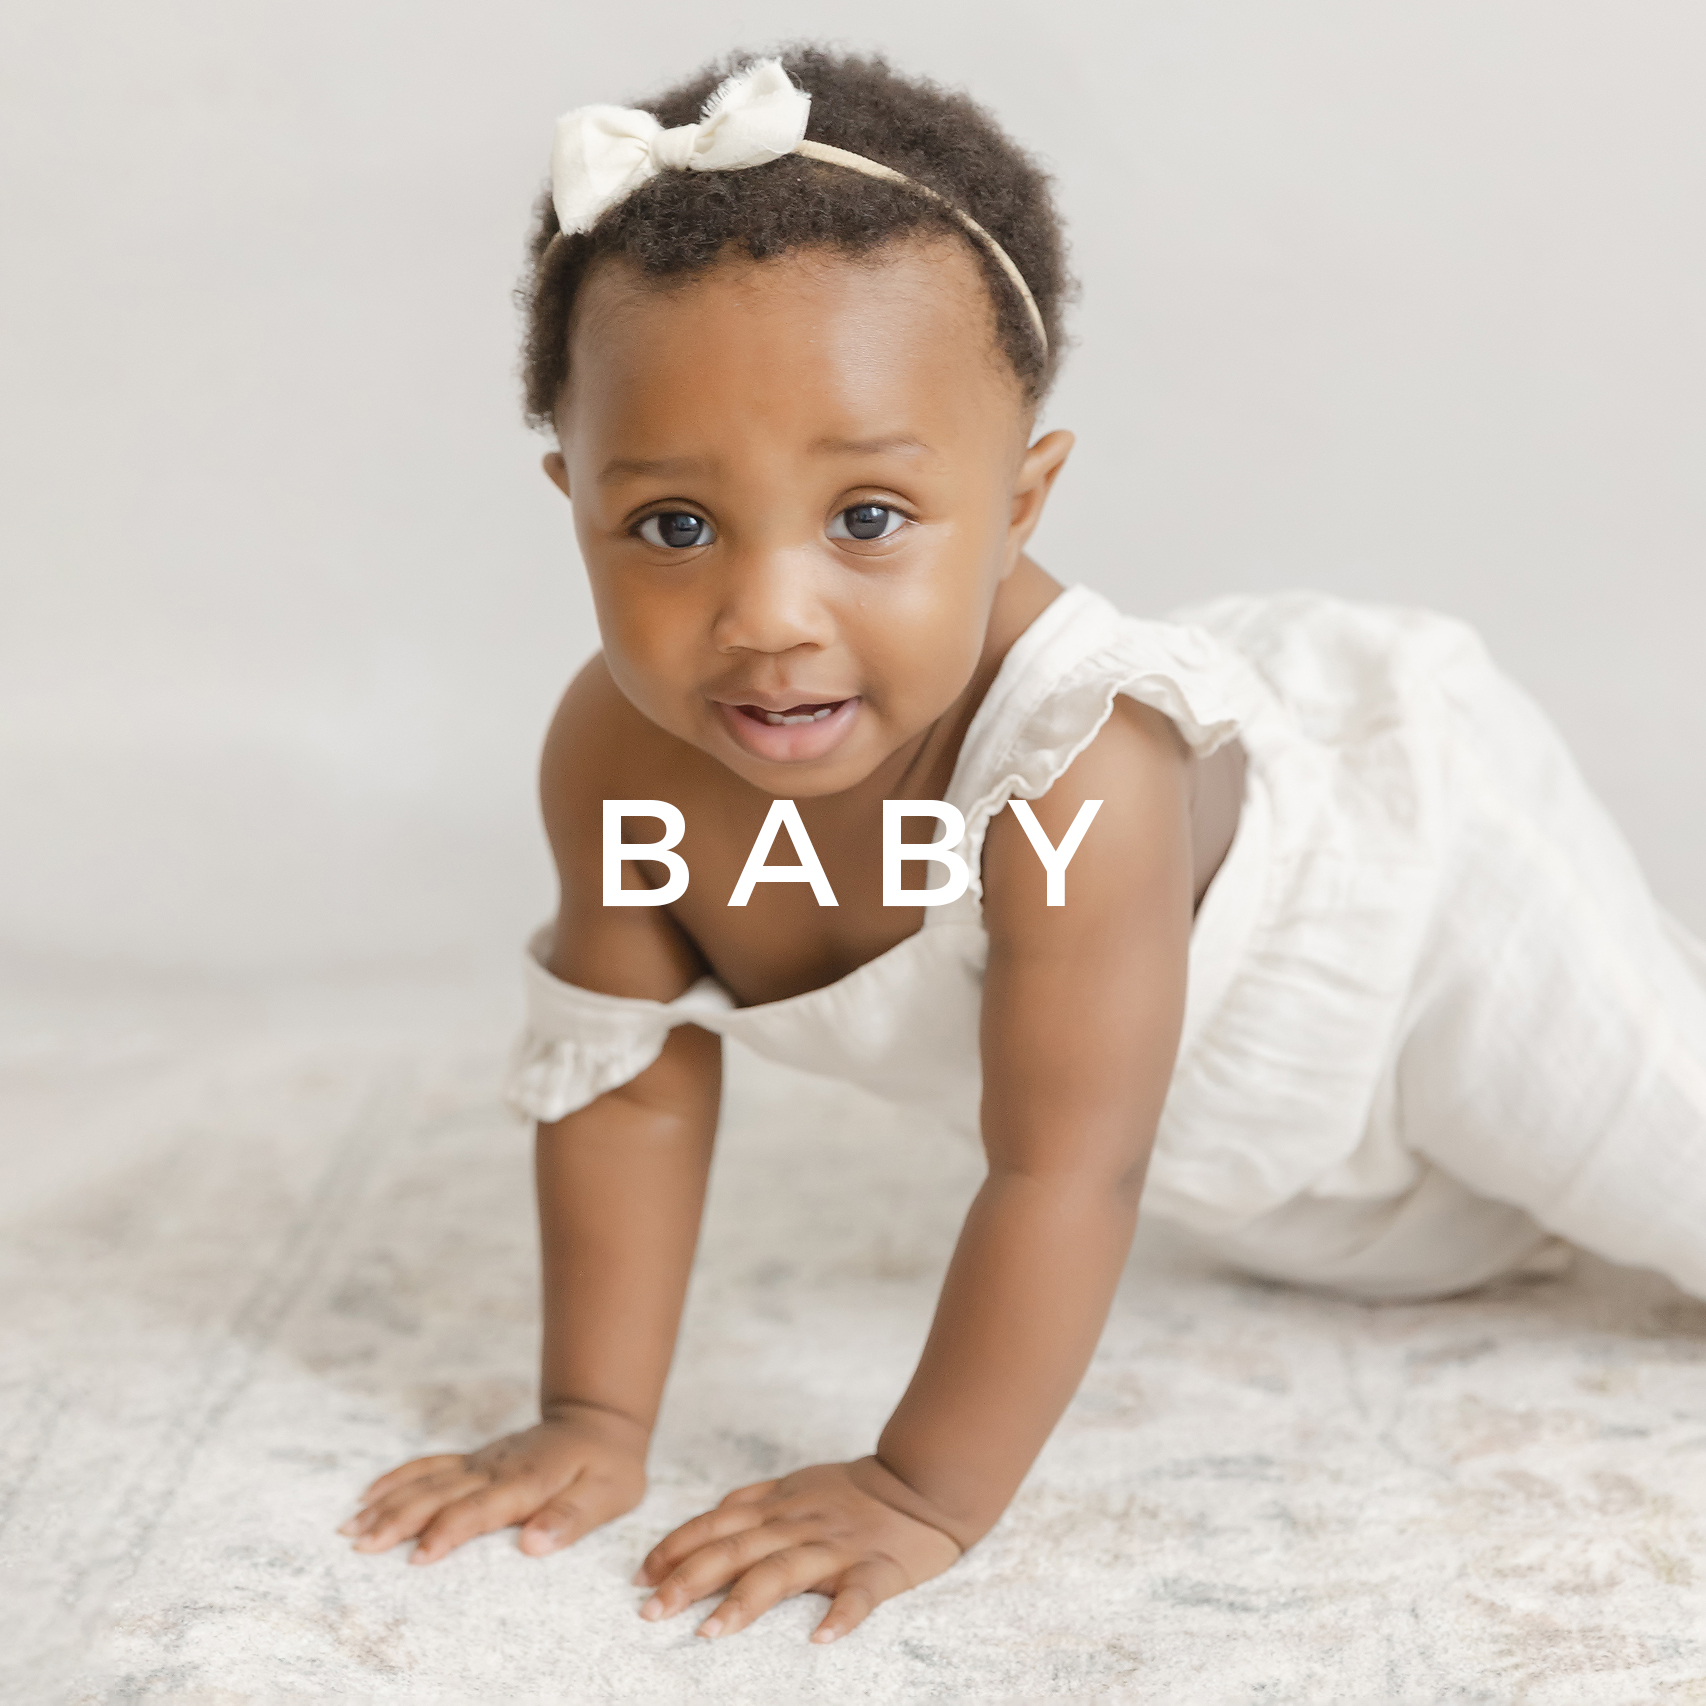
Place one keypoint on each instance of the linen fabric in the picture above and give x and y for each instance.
(1433, 1013)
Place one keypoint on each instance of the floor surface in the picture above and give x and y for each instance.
(260, 1245)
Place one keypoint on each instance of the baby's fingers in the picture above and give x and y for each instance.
(563, 1520)
(476, 1512)
(751, 1493)
(859, 1592)
(404, 1513)
(404, 1473)
(683, 1542)
(796, 1569)
(716, 1565)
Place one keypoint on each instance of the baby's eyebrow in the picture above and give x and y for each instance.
(649, 467)
(641, 467)
(898, 444)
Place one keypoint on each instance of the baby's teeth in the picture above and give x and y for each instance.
(776, 719)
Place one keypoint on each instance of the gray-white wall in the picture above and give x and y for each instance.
(1400, 301)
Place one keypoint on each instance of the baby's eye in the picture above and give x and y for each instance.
(676, 528)
(866, 521)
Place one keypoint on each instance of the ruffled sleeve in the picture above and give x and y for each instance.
(1057, 687)
(578, 1043)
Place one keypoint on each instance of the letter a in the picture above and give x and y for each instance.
(809, 870)
(652, 852)
(1055, 859)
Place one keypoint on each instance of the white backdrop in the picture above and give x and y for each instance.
(1402, 302)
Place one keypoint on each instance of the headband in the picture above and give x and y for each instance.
(603, 154)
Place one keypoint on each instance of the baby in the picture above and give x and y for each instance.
(1301, 927)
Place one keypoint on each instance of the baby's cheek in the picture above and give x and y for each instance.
(653, 676)
(926, 673)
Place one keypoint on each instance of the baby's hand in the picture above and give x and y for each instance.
(828, 1529)
(559, 1480)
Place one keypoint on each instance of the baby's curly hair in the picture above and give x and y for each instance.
(679, 223)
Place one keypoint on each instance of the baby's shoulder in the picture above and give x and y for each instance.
(598, 747)
(1137, 747)
(1130, 785)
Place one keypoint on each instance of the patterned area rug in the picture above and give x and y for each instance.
(260, 1247)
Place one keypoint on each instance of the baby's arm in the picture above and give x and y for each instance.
(1081, 1015)
(620, 1187)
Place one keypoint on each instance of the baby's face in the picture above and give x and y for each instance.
(797, 487)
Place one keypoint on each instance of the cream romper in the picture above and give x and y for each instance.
(1434, 1014)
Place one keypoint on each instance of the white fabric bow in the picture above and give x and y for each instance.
(603, 154)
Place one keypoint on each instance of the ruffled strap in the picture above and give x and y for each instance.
(578, 1043)
(1056, 688)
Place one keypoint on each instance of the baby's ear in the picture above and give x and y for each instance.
(1046, 457)
(1037, 471)
(557, 471)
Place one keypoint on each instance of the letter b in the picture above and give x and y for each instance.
(616, 850)
(897, 852)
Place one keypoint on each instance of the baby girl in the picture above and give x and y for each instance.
(1346, 971)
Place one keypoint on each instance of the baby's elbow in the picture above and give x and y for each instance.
(1111, 1171)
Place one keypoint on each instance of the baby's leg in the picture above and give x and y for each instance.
(1557, 1054)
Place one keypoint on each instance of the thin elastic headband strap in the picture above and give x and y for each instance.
(601, 155)
(875, 169)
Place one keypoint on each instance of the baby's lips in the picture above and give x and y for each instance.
(813, 711)
(787, 699)
(797, 740)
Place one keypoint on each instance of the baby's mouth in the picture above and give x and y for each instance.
(805, 732)
(795, 714)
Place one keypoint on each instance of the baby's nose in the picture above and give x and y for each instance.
(772, 602)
